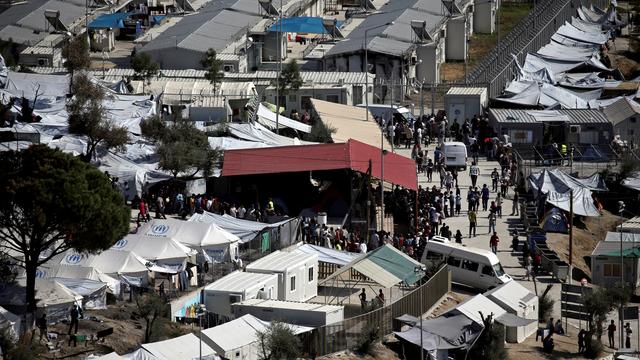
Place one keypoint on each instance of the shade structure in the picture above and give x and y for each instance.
(352, 155)
(301, 24)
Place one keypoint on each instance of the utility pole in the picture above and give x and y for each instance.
(571, 236)
(279, 68)
(621, 207)
(433, 99)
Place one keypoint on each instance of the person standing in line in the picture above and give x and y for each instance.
(611, 332)
(499, 205)
(494, 179)
(492, 222)
(363, 299)
(493, 242)
(74, 314)
(458, 204)
(485, 197)
(472, 222)
(627, 333)
(474, 171)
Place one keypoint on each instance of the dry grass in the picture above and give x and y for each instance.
(585, 239)
(481, 44)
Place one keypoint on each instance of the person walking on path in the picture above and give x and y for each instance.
(514, 207)
(472, 222)
(485, 197)
(42, 326)
(474, 171)
(611, 332)
(495, 176)
(493, 242)
(499, 205)
(492, 222)
(458, 204)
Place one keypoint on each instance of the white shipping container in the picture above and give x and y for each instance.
(236, 287)
(297, 313)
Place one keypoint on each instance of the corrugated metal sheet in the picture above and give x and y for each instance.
(386, 39)
(69, 13)
(576, 116)
(621, 110)
(376, 273)
(20, 35)
(280, 261)
(608, 247)
(614, 237)
(466, 91)
(38, 50)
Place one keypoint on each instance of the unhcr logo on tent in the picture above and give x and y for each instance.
(159, 230)
(74, 258)
(120, 244)
(40, 274)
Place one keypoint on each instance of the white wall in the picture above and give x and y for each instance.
(456, 42)
(429, 68)
(484, 21)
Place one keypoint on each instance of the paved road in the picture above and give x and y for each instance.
(510, 260)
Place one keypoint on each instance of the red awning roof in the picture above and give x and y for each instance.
(352, 155)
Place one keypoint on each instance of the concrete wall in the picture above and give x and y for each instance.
(484, 21)
(456, 42)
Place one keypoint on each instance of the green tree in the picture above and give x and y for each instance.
(490, 344)
(181, 147)
(278, 342)
(321, 132)
(51, 202)
(88, 117)
(290, 78)
(76, 56)
(213, 66)
(151, 307)
(144, 66)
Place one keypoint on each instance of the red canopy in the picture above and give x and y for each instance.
(352, 155)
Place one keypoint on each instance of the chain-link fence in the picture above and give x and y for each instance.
(348, 333)
(534, 31)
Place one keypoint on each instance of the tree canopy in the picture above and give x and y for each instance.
(51, 202)
(290, 78)
(278, 342)
(181, 147)
(144, 66)
(213, 66)
(76, 54)
(88, 117)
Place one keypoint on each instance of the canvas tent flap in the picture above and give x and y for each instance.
(245, 230)
(268, 118)
(327, 255)
(10, 322)
(385, 266)
(443, 333)
(513, 320)
(186, 347)
(583, 203)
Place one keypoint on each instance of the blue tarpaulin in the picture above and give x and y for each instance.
(157, 19)
(113, 21)
(302, 24)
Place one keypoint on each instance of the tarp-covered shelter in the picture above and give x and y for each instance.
(518, 301)
(10, 323)
(140, 354)
(353, 155)
(185, 347)
(385, 266)
(555, 221)
(247, 230)
(268, 118)
(632, 182)
(238, 339)
(301, 24)
(442, 334)
(219, 244)
(329, 256)
(94, 293)
(115, 263)
(51, 296)
(350, 123)
(556, 186)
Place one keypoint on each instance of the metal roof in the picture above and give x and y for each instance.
(280, 261)
(621, 110)
(576, 116)
(316, 77)
(295, 305)
(240, 281)
(37, 50)
(632, 225)
(397, 38)
(458, 90)
(606, 248)
(614, 236)
(215, 25)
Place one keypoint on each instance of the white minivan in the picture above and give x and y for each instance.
(477, 268)
(455, 155)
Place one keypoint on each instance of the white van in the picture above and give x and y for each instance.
(455, 155)
(473, 267)
(387, 111)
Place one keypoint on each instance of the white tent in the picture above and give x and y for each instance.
(94, 293)
(268, 118)
(219, 244)
(245, 230)
(327, 255)
(472, 307)
(110, 262)
(240, 336)
(48, 271)
(140, 354)
(50, 295)
(186, 347)
(164, 251)
(11, 322)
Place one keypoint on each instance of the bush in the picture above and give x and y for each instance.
(278, 342)
(368, 337)
(545, 307)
